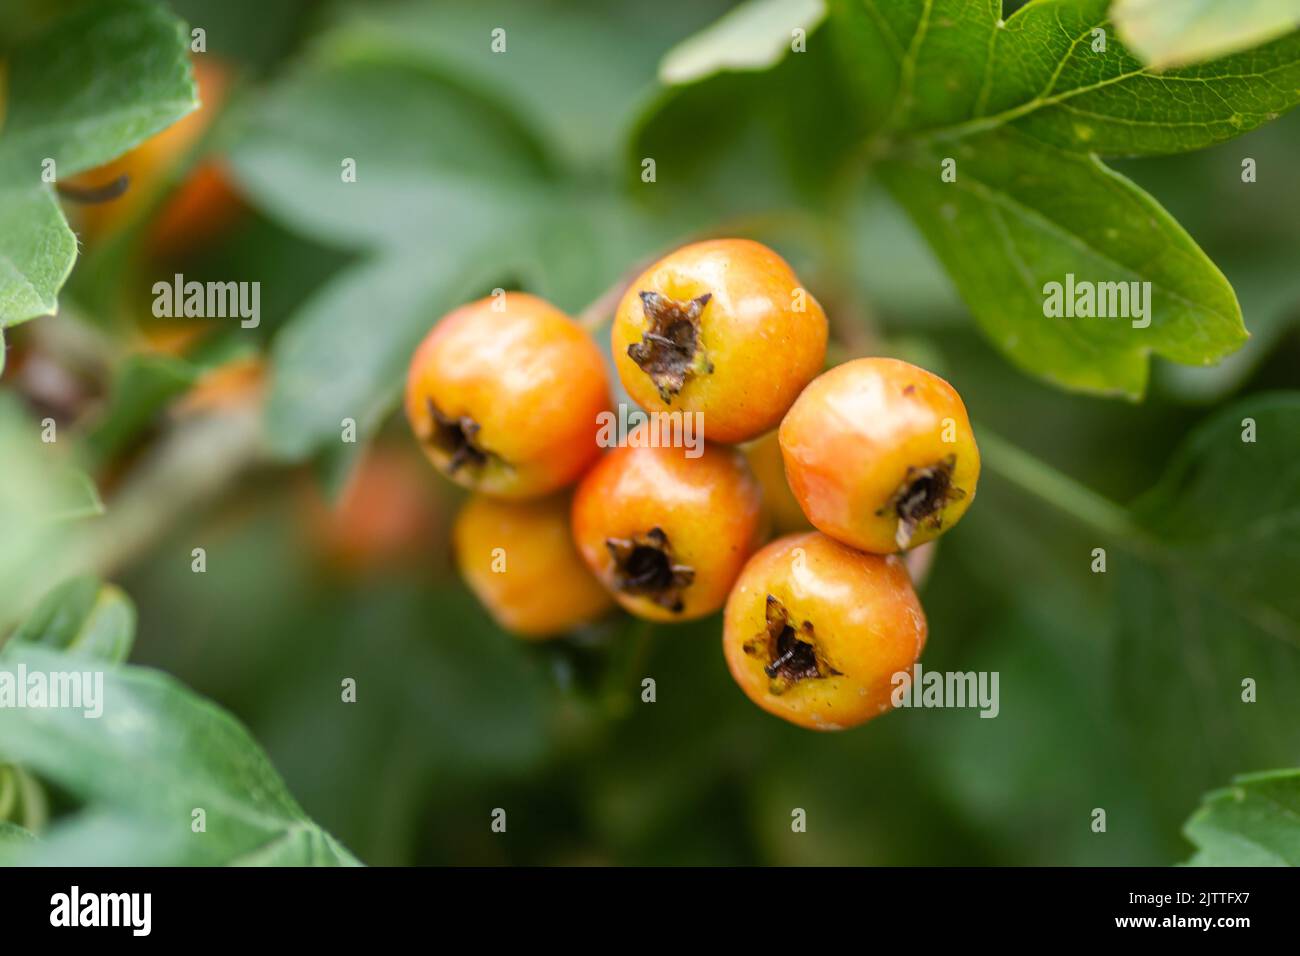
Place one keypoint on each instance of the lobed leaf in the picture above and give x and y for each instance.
(1023, 107)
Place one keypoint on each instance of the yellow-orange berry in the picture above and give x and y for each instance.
(880, 454)
(814, 631)
(665, 533)
(723, 328)
(519, 560)
(783, 511)
(504, 395)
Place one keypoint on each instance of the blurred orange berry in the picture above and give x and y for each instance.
(519, 560)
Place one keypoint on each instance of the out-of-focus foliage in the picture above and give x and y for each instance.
(1173, 32)
(148, 763)
(1251, 823)
(1119, 690)
(77, 96)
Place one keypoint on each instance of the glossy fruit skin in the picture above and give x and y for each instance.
(779, 503)
(529, 380)
(756, 352)
(709, 510)
(859, 610)
(543, 590)
(851, 438)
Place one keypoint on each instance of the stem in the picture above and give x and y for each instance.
(1045, 482)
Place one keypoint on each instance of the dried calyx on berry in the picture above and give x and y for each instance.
(455, 437)
(789, 649)
(670, 351)
(921, 498)
(644, 566)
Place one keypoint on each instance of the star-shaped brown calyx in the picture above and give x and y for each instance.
(644, 565)
(790, 649)
(921, 498)
(455, 437)
(669, 351)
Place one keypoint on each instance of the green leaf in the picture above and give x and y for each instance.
(84, 618)
(1021, 214)
(915, 64)
(23, 803)
(1168, 33)
(1207, 657)
(750, 142)
(13, 833)
(141, 387)
(753, 36)
(1023, 107)
(1255, 822)
(1046, 78)
(345, 354)
(92, 87)
(37, 250)
(1229, 507)
(41, 496)
(462, 173)
(568, 76)
(84, 92)
(158, 754)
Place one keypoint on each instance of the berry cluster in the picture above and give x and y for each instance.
(505, 396)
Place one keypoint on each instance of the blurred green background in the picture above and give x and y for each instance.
(523, 170)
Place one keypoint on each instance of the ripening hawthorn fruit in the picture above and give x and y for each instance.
(383, 520)
(880, 454)
(519, 560)
(815, 631)
(779, 503)
(723, 328)
(667, 534)
(505, 400)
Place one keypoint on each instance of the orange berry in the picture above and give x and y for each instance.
(519, 560)
(814, 631)
(880, 454)
(722, 328)
(783, 511)
(667, 534)
(383, 520)
(504, 396)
